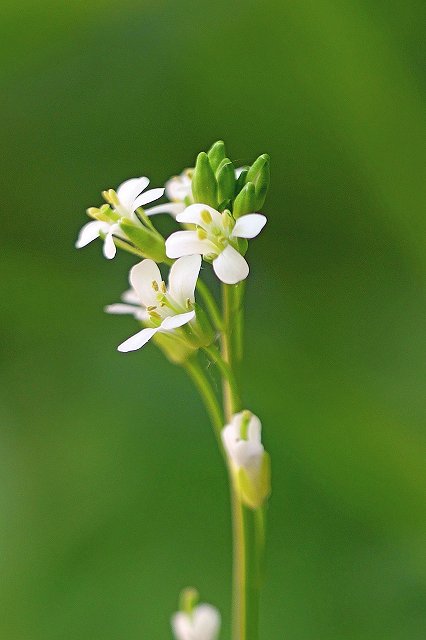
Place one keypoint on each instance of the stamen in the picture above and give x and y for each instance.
(154, 314)
(163, 287)
(201, 233)
(188, 303)
(152, 307)
(206, 216)
(227, 220)
(154, 285)
(110, 196)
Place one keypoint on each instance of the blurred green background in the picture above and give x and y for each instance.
(112, 494)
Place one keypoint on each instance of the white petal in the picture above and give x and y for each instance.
(254, 429)
(130, 296)
(89, 232)
(142, 275)
(128, 190)
(249, 226)
(183, 278)
(182, 626)
(137, 341)
(173, 322)
(192, 215)
(230, 266)
(146, 197)
(179, 187)
(186, 243)
(119, 309)
(173, 208)
(238, 171)
(109, 248)
(206, 622)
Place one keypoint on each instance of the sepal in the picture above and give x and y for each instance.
(254, 489)
(204, 185)
(225, 176)
(216, 154)
(245, 202)
(259, 173)
(149, 242)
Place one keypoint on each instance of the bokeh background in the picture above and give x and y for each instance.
(112, 493)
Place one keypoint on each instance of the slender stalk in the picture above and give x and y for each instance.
(207, 394)
(210, 304)
(246, 547)
(226, 371)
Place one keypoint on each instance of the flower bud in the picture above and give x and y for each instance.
(204, 185)
(259, 174)
(225, 176)
(249, 463)
(245, 202)
(195, 621)
(150, 243)
(241, 180)
(216, 154)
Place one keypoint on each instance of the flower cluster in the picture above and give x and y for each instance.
(217, 206)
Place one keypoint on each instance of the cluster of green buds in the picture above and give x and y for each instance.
(218, 183)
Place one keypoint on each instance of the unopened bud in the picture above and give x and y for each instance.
(204, 185)
(245, 202)
(216, 154)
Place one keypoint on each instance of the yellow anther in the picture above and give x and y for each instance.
(154, 314)
(201, 233)
(111, 197)
(188, 303)
(163, 287)
(152, 307)
(154, 285)
(227, 220)
(206, 217)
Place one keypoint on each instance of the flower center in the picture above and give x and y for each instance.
(165, 304)
(217, 234)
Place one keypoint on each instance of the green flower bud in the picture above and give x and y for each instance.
(216, 154)
(254, 490)
(259, 174)
(241, 180)
(225, 176)
(150, 243)
(188, 599)
(245, 202)
(204, 185)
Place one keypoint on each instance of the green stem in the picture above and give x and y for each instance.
(210, 304)
(208, 396)
(246, 547)
(227, 373)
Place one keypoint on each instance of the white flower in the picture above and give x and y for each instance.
(247, 457)
(124, 203)
(164, 309)
(216, 238)
(203, 623)
(179, 192)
